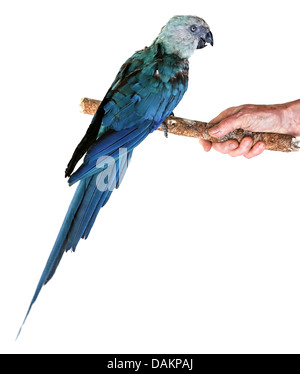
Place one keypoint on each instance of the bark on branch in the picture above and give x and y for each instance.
(197, 129)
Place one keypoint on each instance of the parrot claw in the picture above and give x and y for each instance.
(165, 129)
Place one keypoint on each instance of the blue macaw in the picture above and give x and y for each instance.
(144, 93)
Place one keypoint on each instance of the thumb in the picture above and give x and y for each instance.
(224, 127)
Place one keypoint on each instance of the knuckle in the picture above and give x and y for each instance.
(220, 147)
(232, 109)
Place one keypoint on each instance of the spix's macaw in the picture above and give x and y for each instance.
(144, 93)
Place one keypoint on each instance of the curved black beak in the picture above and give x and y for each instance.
(205, 37)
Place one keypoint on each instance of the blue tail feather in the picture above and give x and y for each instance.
(59, 246)
(86, 204)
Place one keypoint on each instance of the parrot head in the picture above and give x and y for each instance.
(182, 35)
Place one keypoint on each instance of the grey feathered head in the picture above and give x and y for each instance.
(183, 34)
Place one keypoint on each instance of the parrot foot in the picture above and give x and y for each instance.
(165, 129)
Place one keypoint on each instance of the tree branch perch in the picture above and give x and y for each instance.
(197, 129)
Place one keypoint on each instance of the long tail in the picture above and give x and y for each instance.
(92, 193)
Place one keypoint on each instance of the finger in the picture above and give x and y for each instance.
(243, 148)
(226, 147)
(256, 150)
(205, 144)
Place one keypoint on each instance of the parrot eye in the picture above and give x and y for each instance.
(193, 28)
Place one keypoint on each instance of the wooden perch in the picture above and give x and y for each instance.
(197, 129)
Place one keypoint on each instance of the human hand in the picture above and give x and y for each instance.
(256, 118)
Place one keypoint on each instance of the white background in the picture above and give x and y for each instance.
(196, 252)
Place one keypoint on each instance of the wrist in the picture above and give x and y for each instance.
(291, 118)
